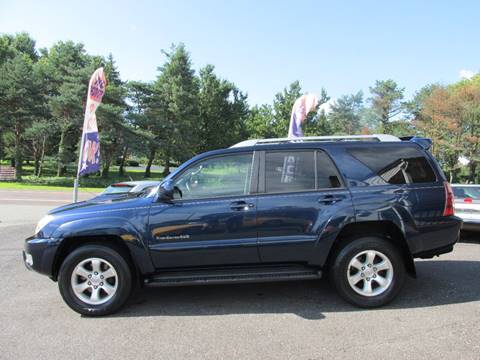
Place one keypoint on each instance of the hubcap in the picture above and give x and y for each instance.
(94, 281)
(370, 273)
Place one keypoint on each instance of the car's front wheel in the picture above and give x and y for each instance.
(95, 280)
(368, 272)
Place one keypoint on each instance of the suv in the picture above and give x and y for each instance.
(359, 209)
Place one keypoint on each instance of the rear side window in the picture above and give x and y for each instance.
(327, 175)
(289, 171)
(396, 164)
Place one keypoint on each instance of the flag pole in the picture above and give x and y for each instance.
(77, 178)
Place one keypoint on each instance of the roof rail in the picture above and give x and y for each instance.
(374, 137)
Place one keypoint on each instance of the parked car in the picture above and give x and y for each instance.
(467, 205)
(358, 209)
(126, 188)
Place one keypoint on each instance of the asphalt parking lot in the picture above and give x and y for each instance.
(436, 316)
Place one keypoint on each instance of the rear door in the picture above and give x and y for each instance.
(299, 192)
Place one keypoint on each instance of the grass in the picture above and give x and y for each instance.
(48, 180)
(23, 186)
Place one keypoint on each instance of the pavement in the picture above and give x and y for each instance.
(436, 316)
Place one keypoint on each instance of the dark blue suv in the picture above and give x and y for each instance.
(359, 209)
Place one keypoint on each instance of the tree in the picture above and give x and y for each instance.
(175, 107)
(19, 100)
(282, 108)
(142, 120)
(67, 69)
(316, 123)
(345, 114)
(259, 122)
(37, 136)
(440, 121)
(386, 101)
(223, 111)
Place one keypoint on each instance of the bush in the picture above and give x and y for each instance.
(133, 163)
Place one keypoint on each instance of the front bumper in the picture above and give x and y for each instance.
(39, 254)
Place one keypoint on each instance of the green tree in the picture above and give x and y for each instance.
(386, 101)
(316, 123)
(345, 114)
(259, 123)
(19, 100)
(282, 108)
(67, 68)
(223, 112)
(143, 121)
(37, 136)
(175, 107)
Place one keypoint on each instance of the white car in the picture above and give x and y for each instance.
(467, 205)
(126, 188)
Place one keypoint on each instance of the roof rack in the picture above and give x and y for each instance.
(374, 137)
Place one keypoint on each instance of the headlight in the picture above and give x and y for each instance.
(43, 222)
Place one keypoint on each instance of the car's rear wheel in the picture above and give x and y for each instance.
(368, 272)
(95, 280)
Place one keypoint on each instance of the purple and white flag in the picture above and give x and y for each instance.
(89, 160)
(302, 106)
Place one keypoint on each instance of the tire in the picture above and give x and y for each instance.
(90, 292)
(363, 285)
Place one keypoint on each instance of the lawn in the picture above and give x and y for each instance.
(93, 182)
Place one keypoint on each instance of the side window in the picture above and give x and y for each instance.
(395, 164)
(216, 177)
(289, 171)
(327, 175)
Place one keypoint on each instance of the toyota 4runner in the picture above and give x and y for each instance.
(358, 209)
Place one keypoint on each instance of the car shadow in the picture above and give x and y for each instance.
(438, 283)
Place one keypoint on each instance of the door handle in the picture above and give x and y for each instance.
(241, 206)
(330, 199)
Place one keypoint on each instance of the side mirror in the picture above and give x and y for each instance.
(166, 192)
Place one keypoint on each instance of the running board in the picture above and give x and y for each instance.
(235, 275)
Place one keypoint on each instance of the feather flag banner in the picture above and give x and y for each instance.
(302, 106)
(90, 145)
(89, 158)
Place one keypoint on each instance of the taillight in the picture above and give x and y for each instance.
(468, 200)
(448, 210)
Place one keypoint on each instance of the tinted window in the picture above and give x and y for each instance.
(218, 176)
(289, 171)
(395, 165)
(327, 175)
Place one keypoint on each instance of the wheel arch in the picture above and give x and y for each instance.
(72, 243)
(382, 228)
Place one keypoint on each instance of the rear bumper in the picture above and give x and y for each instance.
(39, 254)
(471, 225)
(439, 238)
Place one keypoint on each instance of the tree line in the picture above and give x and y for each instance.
(183, 112)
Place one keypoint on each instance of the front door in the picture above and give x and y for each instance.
(213, 221)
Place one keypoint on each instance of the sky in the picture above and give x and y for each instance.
(262, 46)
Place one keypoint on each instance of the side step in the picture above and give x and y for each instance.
(232, 275)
